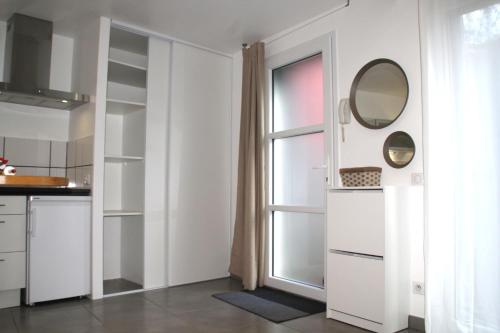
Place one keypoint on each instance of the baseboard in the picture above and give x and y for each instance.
(416, 323)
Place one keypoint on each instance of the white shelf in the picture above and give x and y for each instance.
(125, 74)
(128, 292)
(122, 158)
(120, 106)
(108, 213)
(128, 64)
(124, 168)
(126, 93)
(128, 41)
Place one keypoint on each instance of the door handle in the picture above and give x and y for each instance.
(32, 223)
(358, 255)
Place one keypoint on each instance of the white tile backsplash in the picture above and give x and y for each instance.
(58, 172)
(26, 171)
(33, 157)
(71, 154)
(58, 154)
(84, 176)
(71, 175)
(27, 152)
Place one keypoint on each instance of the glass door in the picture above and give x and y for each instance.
(297, 177)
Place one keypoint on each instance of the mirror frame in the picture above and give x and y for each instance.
(385, 150)
(354, 87)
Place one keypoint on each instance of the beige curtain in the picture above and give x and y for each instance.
(248, 251)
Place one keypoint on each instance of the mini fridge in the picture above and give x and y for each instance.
(59, 248)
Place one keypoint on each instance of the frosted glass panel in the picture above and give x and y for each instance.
(298, 247)
(297, 178)
(298, 94)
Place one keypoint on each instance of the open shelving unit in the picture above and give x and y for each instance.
(124, 175)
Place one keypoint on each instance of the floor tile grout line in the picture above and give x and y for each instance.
(93, 314)
(14, 321)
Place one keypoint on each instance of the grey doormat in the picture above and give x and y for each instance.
(274, 305)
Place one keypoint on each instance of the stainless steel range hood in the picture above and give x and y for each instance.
(28, 50)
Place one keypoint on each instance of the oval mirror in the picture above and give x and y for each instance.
(399, 149)
(379, 93)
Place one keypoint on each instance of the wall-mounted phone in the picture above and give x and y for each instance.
(344, 115)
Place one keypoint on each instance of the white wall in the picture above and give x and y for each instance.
(199, 166)
(90, 76)
(61, 63)
(365, 30)
(21, 121)
(81, 121)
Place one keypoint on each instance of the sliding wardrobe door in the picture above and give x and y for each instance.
(199, 182)
(299, 97)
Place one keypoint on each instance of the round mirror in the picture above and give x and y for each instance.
(399, 149)
(379, 93)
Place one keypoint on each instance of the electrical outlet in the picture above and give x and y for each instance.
(418, 288)
(86, 180)
(417, 178)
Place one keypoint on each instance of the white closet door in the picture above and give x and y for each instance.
(199, 165)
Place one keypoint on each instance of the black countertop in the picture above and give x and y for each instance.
(33, 190)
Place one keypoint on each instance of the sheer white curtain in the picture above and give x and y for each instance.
(461, 66)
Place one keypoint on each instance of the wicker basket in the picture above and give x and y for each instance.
(356, 177)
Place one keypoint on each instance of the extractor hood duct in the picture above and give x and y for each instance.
(28, 50)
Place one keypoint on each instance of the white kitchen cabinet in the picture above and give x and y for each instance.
(368, 265)
(359, 222)
(12, 205)
(351, 291)
(12, 270)
(12, 249)
(12, 233)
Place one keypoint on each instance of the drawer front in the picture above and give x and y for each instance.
(12, 270)
(12, 233)
(13, 205)
(356, 286)
(356, 222)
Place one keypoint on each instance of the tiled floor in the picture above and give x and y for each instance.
(179, 309)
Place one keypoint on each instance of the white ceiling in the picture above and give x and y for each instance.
(218, 24)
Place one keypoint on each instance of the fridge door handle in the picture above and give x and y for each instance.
(32, 222)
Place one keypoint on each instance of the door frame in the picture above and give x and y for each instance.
(326, 45)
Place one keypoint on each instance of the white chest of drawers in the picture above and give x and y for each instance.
(368, 264)
(12, 249)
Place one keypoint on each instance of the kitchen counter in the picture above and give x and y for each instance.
(33, 190)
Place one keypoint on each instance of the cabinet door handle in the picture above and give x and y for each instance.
(3, 205)
(2, 222)
(2, 260)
